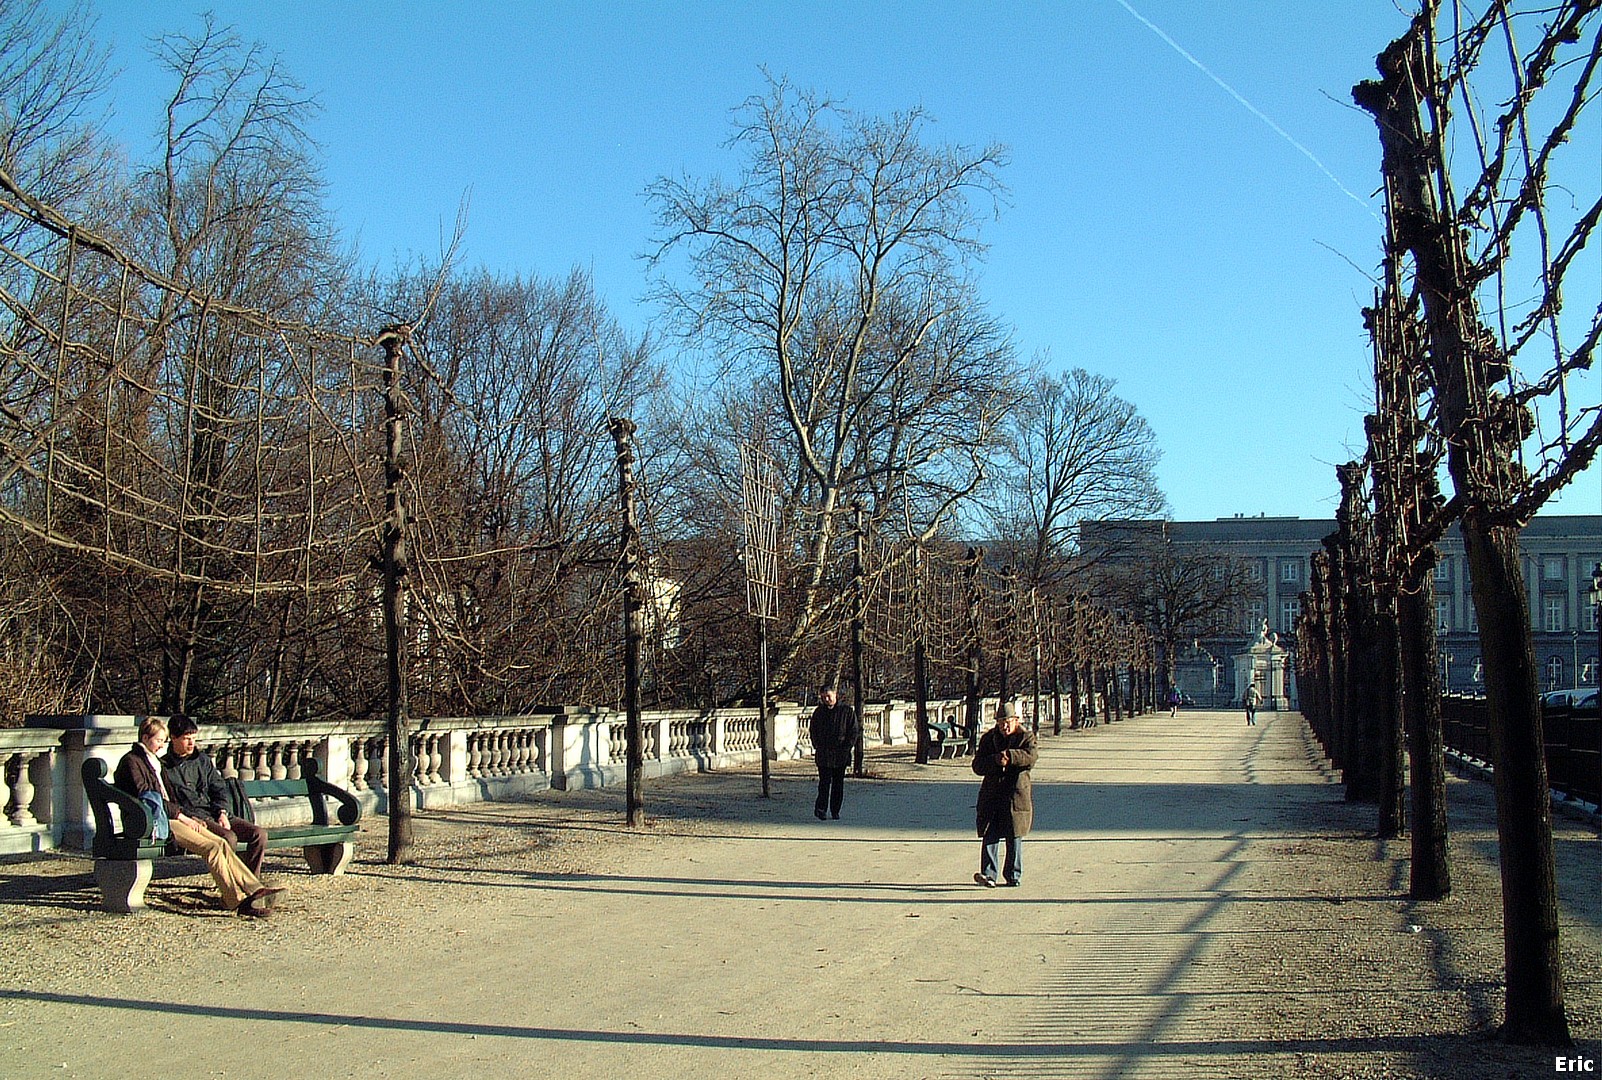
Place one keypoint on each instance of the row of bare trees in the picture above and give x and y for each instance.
(194, 420)
(1485, 328)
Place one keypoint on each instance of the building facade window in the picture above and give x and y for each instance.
(1290, 571)
(1553, 614)
(1443, 614)
(1256, 612)
(1254, 569)
(1554, 672)
(1552, 568)
(1443, 568)
(1289, 611)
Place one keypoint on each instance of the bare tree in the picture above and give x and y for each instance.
(53, 77)
(232, 209)
(834, 275)
(1178, 592)
(1074, 450)
(516, 488)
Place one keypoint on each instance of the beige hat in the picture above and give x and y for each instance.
(1008, 711)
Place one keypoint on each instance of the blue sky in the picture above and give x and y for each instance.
(1157, 231)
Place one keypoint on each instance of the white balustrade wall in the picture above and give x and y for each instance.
(456, 759)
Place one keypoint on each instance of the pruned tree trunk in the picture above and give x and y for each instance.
(1430, 875)
(393, 562)
(633, 623)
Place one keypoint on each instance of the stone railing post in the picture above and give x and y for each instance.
(664, 733)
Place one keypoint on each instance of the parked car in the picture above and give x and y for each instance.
(1574, 698)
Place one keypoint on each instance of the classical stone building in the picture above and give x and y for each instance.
(1559, 554)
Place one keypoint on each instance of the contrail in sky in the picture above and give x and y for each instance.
(1253, 109)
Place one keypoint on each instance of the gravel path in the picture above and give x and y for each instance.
(1198, 902)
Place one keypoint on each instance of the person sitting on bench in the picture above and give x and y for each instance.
(139, 772)
(200, 791)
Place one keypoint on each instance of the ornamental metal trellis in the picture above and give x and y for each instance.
(759, 486)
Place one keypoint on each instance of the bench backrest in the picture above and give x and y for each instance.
(275, 789)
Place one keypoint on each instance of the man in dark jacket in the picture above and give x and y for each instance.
(1006, 808)
(194, 783)
(834, 739)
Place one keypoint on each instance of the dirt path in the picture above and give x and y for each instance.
(1198, 902)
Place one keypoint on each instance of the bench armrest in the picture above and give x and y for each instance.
(114, 841)
(319, 791)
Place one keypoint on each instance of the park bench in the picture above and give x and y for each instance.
(124, 849)
(947, 740)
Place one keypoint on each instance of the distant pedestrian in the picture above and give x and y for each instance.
(1173, 702)
(1006, 807)
(1252, 699)
(834, 732)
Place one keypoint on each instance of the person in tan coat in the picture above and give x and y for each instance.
(1006, 808)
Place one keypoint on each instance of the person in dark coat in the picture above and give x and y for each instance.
(834, 739)
(1006, 807)
(194, 783)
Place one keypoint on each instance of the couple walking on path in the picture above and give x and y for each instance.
(1004, 756)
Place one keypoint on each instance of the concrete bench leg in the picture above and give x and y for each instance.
(122, 884)
(328, 858)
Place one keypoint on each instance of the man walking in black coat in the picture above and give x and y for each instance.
(834, 739)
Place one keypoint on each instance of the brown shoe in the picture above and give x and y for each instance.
(260, 904)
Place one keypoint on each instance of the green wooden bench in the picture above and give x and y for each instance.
(947, 740)
(124, 850)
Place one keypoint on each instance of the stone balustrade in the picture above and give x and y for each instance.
(27, 762)
(457, 759)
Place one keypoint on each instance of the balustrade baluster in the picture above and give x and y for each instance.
(358, 764)
(380, 751)
(19, 804)
(420, 760)
(275, 756)
(475, 753)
